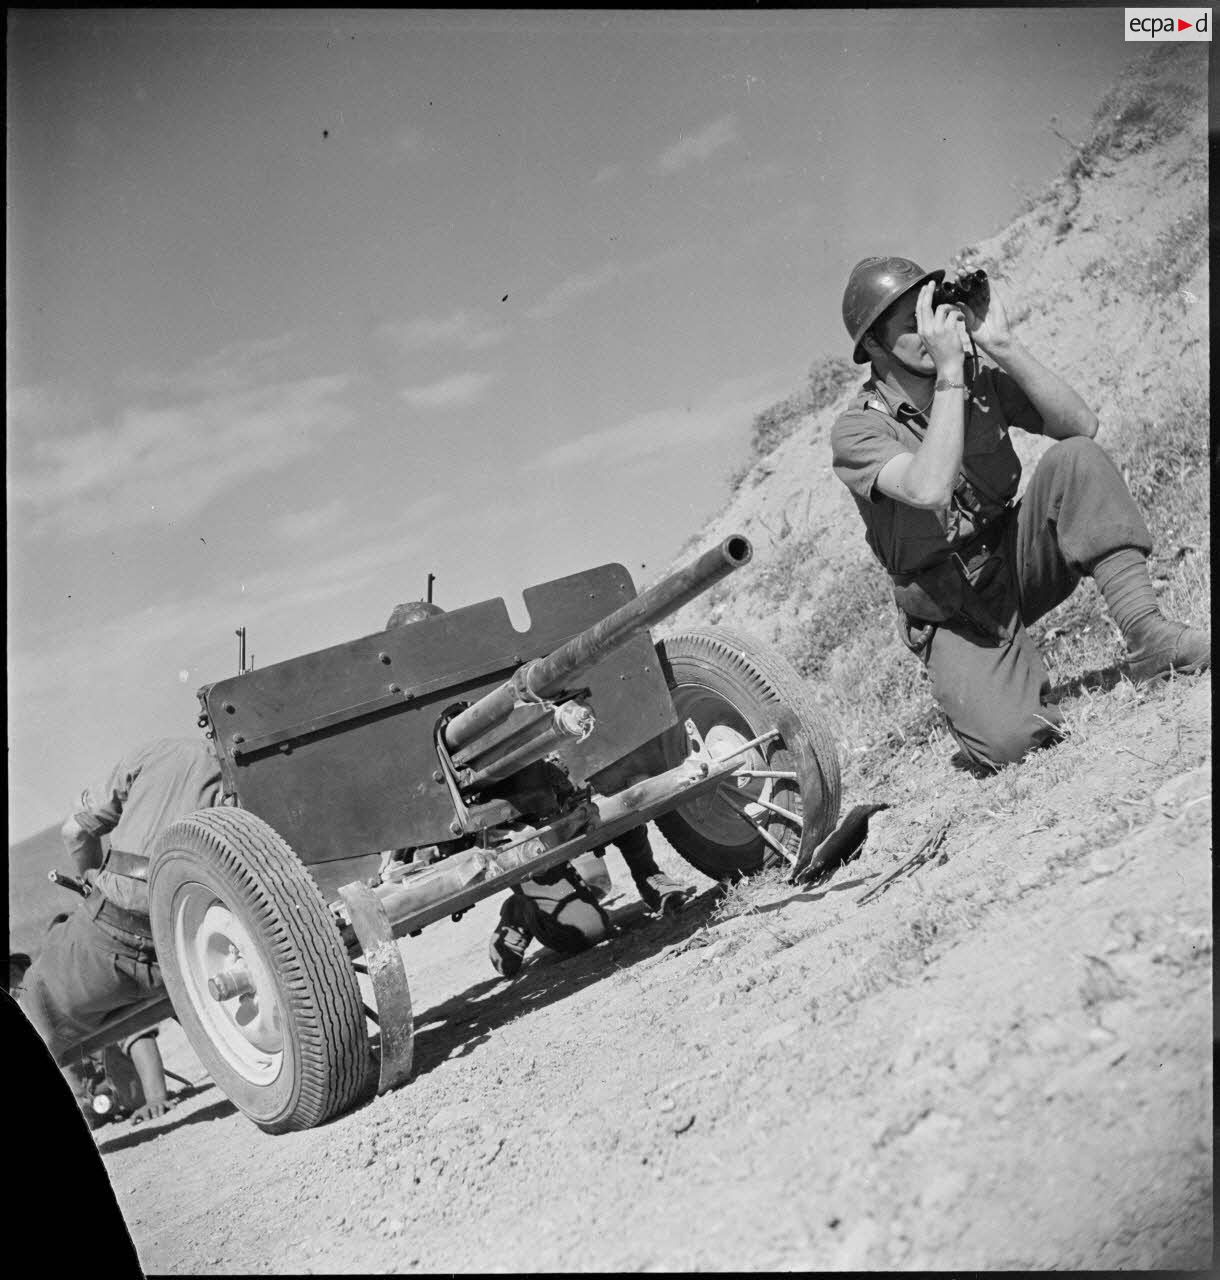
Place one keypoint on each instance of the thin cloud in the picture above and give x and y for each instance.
(755, 173)
(408, 144)
(792, 222)
(236, 367)
(469, 330)
(583, 284)
(454, 392)
(35, 411)
(669, 257)
(723, 413)
(574, 287)
(695, 148)
(165, 635)
(300, 526)
(607, 173)
(167, 464)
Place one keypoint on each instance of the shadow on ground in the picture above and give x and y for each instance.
(1099, 680)
(136, 1135)
(459, 1025)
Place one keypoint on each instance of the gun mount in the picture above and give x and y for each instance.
(381, 785)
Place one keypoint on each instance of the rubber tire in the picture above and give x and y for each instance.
(748, 679)
(253, 871)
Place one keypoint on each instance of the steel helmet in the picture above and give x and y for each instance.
(412, 611)
(873, 284)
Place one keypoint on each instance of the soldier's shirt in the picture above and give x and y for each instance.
(150, 788)
(881, 424)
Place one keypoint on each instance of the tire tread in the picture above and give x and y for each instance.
(759, 666)
(303, 942)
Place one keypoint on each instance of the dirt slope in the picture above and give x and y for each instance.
(1002, 1061)
(1105, 277)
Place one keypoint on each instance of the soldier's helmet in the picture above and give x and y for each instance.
(873, 285)
(412, 611)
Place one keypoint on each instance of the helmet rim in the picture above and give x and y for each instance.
(886, 279)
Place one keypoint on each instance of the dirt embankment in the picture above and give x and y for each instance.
(1002, 1061)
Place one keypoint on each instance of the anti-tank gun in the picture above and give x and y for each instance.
(504, 752)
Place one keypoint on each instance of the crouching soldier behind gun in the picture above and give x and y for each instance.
(99, 961)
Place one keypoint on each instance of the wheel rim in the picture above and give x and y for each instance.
(213, 946)
(737, 812)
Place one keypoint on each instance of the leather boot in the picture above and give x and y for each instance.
(1158, 646)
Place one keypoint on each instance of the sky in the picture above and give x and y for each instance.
(305, 305)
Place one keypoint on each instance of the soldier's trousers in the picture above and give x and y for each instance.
(85, 973)
(996, 692)
(559, 910)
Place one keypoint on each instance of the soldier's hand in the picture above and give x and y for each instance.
(941, 330)
(153, 1109)
(991, 329)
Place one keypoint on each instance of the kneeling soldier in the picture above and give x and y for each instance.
(925, 451)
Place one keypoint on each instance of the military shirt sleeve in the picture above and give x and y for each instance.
(1017, 406)
(101, 805)
(861, 445)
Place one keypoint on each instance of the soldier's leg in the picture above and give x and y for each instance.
(994, 695)
(1078, 517)
(510, 939)
(73, 985)
(659, 893)
(592, 869)
(81, 977)
(562, 913)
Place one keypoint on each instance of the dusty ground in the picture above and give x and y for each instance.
(1004, 1060)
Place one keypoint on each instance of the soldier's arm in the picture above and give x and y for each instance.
(98, 811)
(84, 847)
(1063, 412)
(146, 1058)
(926, 477)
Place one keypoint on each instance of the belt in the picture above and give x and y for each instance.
(132, 865)
(106, 912)
(946, 589)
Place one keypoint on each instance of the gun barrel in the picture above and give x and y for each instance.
(547, 676)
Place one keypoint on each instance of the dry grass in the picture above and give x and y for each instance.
(828, 378)
(843, 634)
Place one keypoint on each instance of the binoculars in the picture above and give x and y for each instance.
(971, 290)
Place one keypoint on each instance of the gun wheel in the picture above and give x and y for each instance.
(783, 797)
(256, 971)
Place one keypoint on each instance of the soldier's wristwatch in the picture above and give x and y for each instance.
(943, 384)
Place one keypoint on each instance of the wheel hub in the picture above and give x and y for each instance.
(716, 815)
(229, 984)
(757, 799)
